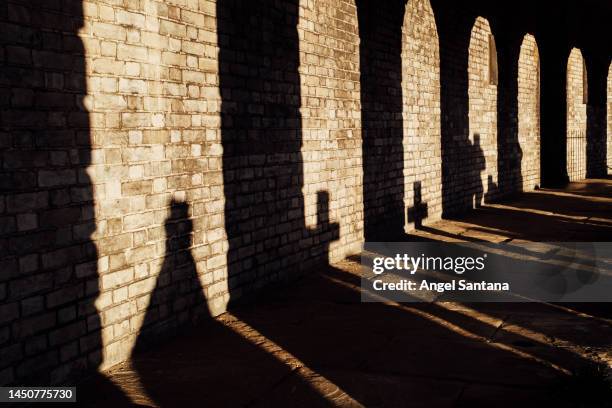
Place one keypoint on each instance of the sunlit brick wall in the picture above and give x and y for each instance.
(152, 80)
(112, 113)
(576, 116)
(421, 114)
(331, 119)
(482, 118)
(161, 159)
(529, 112)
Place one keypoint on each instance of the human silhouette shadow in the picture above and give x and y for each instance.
(178, 298)
(462, 159)
(204, 356)
(475, 166)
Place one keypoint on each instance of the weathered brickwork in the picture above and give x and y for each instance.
(380, 32)
(154, 107)
(528, 112)
(119, 115)
(482, 91)
(421, 112)
(117, 120)
(46, 287)
(331, 118)
(576, 117)
(161, 159)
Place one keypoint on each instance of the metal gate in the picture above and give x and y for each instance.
(576, 155)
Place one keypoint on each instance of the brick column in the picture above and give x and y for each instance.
(509, 151)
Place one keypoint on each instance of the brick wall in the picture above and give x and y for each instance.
(482, 91)
(421, 114)
(528, 112)
(161, 159)
(576, 117)
(380, 56)
(114, 112)
(331, 119)
(113, 119)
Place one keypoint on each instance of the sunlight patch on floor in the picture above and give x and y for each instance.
(324, 387)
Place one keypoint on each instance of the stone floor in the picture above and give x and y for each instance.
(314, 343)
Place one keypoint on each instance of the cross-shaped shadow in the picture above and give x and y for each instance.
(418, 212)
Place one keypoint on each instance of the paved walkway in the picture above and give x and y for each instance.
(314, 344)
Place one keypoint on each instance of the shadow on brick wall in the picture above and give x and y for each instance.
(49, 282)
(264, 208)
(177, 298)
(509, 152)
(462, 160)
(380, 58)
(261, 133)
(380, 29)
(172, 376)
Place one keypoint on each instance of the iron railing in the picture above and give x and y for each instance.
(576, 155)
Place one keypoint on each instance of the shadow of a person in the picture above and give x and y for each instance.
(478, 164)
(178, 297)
(203, 359)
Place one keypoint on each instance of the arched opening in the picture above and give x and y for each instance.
(576, 116)
(529, 112)
(421, 114)
(482, 93)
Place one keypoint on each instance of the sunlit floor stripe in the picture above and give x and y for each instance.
(131, 385)
(575, 195)
(324, 387)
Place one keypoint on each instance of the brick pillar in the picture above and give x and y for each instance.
(509, 150)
